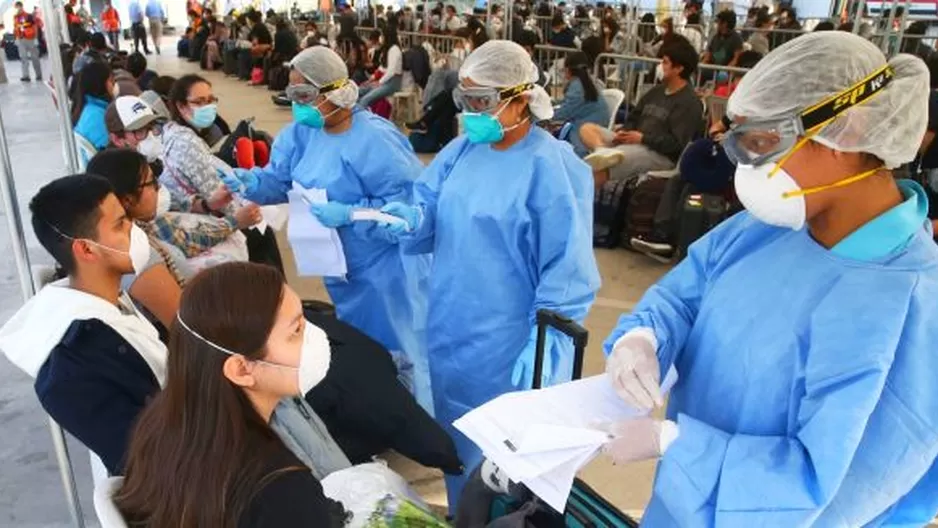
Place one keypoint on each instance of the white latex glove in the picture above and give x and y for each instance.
(639, 439)
(633, 367)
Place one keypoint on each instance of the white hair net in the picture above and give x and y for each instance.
(505, 64)
(321, 66)
(813, 67)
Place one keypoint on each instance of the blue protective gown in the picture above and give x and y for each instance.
(807, 394)
(384, 292)
(511, 233)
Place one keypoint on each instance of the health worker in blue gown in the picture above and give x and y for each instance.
(506, 210)
(805, 329)
(362, 161)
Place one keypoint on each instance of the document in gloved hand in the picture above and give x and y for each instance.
(317, 249)
(543, 438)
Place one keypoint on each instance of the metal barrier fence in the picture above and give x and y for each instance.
(551, 59)
(441, 43)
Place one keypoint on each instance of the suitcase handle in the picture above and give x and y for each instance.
(569, 327)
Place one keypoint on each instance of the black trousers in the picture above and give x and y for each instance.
(139, 32)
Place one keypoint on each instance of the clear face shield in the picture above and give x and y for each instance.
(754, 142)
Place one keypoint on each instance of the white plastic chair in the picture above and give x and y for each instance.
(108, 514)
(86, 151)
(613, 100)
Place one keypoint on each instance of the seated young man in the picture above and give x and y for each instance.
(656, 131)
(95, 358)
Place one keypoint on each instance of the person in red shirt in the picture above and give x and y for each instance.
(111, 22)
(26, 33)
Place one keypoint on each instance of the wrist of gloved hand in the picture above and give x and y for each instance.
(642, 332)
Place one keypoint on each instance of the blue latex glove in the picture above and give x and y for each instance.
(243, 181)
(410, 214)
(522, 377)
(332, 214)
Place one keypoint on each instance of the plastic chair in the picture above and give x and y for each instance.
(613, 100)
(108, 514)
(86, 151)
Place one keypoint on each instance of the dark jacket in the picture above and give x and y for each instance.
(417, 62)
(668, 122)
(365, 407)
(94, 384)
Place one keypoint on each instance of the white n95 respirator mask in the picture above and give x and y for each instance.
(774, 198)
(315, 358)
(151, 147)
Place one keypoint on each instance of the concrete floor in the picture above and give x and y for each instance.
(30, 488)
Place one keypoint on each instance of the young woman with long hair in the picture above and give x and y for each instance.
(93, 93)
(203, 453)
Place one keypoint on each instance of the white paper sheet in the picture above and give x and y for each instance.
(275, 216)
(317, 249)
(542, 438)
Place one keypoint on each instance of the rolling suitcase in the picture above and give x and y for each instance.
(700, 213)
(609, 210)
(585, 507)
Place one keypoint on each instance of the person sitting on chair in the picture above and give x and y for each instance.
(665, 120)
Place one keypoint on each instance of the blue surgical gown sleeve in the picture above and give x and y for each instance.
(670, 306)
(563, 203)
(387, 176)
(788, 480)
(427, 193)
(276, 178)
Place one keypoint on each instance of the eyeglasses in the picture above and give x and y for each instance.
(203, 101)
(141, 134)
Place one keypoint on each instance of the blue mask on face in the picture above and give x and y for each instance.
(485, 128)
(482, 128)
(308, 115)
(204, 116)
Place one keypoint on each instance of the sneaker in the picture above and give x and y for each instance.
(652, 244)
(281, 100)
(604, 158)
(25, 79)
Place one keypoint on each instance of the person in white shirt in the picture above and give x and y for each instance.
(452, 22)
(386, 80)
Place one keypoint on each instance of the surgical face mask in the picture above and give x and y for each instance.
(486, 128)
(151, 147)
(163, 201)
(203, 116)
(310, 116)
(138, 252)
(774, 198)
(115, 90)
(659, 72)
(315, 356)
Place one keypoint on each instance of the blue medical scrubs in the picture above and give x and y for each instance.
(807, 394)
(369, 165)
(511, 233)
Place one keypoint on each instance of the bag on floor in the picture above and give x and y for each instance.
(279, 78)
(257, 75)
(230, 62)
(699, 213)
(609, 210)
(9, 47)
(640, 214)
